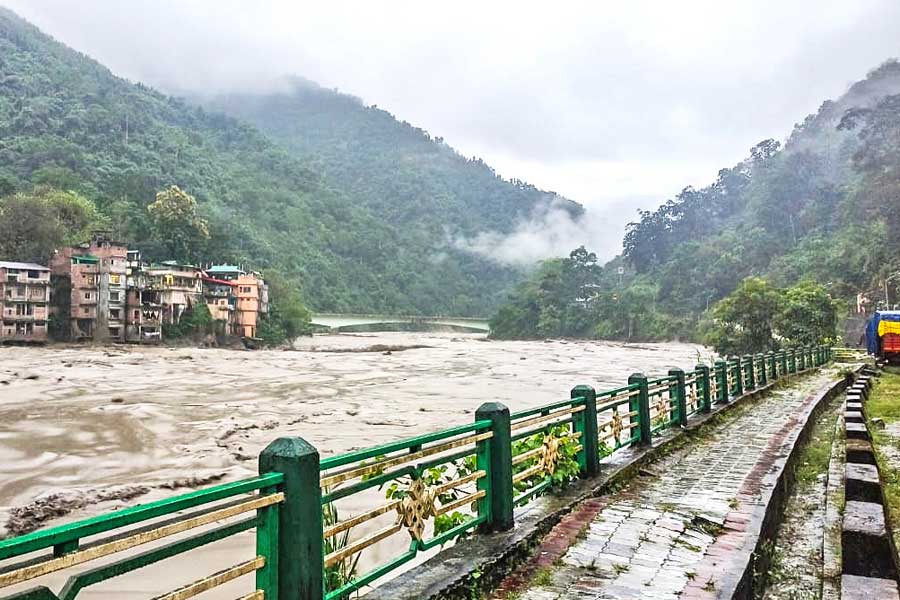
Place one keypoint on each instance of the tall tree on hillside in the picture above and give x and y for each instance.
(176, 224)
(33, 224)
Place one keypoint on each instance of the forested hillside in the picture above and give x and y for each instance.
(66, 122)
(823, 207)
(397, 170)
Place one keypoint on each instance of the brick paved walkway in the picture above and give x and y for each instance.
(667, 535)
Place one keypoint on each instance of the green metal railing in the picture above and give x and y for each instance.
(314, 518)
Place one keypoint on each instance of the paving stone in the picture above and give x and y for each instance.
(857, 431)
(865, 518)
(853, 416)
(868, 588)
(855, 406)
(865, 473)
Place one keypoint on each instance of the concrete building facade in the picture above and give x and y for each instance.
(25, 297)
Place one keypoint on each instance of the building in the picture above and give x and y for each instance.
(220, 299)
(249, 297)
(246, 291)
(143, 308)
(25, 293)
(180, 288)
(89, 289)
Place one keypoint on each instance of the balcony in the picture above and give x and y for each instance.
(20, 318)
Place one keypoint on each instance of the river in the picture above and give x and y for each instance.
(89, 429)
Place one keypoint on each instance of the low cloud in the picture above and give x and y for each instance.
(550, 232)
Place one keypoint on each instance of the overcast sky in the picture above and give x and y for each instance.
(617, 105)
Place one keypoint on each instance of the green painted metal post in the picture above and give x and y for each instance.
(771, 365)
(500, 468)
(784, 362)
(703, 378)
(680, 395)
(801, 363)
(300, 545)
(585, 422)
(762, 370)
(641, 404)
(792, 360)
(721, 374)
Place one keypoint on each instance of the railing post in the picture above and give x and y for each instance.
(585, 422)
(749, 372)
(300, 546)
(792, 360)
(801, 364)
(703, 375)
(771, 366)
(738, 378)
(721, 374)
(642, 406)
(784, 362)
(680, 395)
(763, 375)
(499, 467)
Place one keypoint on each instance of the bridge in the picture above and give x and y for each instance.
(346, 322)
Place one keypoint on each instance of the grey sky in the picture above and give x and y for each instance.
(616, 105)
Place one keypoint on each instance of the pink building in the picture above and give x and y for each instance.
(25, 293)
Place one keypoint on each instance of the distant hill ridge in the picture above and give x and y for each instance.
(354, 206)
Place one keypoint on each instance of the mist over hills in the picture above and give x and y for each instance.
(358, 209)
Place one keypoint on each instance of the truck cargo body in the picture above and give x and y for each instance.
(883, 335)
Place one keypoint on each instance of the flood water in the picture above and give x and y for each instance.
(89, 429)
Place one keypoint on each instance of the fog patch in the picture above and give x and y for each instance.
(550, 232)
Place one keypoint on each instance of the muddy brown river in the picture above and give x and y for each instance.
(90, 429)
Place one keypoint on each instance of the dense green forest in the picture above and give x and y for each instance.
(335, 222)
(824, 207)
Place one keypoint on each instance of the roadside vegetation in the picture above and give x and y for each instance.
(883, 413)
(812, 219)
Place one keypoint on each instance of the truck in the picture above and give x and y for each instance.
(883, 335)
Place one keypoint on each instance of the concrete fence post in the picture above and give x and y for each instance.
(720, 369)
(586, 423)
(300, 545)
(641, 404)
(703, 377)
(500, 478)
(680, 395)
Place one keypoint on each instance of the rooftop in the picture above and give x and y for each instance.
(24, 266)
(224, 269)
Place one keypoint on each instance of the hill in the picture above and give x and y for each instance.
(68, 122)
(822, 207)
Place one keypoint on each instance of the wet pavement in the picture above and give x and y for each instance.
(656, 539)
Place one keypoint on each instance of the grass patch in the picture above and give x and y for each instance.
(543, 577)
(816, 453)
(884, 403)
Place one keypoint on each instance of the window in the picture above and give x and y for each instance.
(137, 314)
(115, 314)
(114, 296)
(86, 310)
(33, 274)
(115, 279)
(114, 331)
(87, 295)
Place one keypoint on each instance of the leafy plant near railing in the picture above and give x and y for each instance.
(433, 477)
(345, 571)
(566, 468)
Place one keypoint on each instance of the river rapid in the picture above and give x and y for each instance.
(90, 429)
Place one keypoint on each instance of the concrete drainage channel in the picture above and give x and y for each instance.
(868, 557)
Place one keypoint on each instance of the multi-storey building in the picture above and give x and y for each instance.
(143, 319)
(180, 288)
(249, 298)
(25, 297)
(89, 289)
(219, 297)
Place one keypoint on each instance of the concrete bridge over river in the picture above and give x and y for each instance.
(346, 322)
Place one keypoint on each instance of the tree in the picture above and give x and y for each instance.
(744, 319)
(175, 222)
(288, 317)
(33, 224)
(807, 314)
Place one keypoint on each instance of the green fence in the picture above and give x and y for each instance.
(313, 519)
